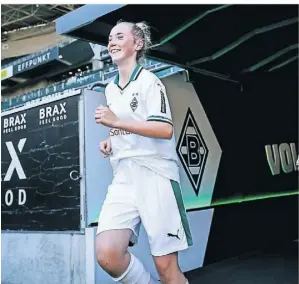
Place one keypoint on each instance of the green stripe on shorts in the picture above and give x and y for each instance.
(179, 199)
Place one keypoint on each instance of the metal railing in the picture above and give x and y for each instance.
(85, 79)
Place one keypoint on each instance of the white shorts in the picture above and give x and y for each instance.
(137, 194)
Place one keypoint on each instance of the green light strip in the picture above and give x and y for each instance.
(271, 58)
(189, 24)
(249, 198)
(284, 63)
(245, 38)
(238, 200)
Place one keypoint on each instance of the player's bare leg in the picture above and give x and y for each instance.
(113, 257)
(111, 251)
(169, 270)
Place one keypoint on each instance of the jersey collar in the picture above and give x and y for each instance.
(133, 76)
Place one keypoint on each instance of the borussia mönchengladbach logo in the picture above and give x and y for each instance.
(192, 151)
(134, 104)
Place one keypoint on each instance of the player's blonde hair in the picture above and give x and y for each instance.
(141, 31)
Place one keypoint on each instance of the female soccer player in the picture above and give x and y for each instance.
(145, 187)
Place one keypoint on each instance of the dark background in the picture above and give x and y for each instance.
(262, 109)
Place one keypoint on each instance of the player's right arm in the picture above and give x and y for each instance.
(105, 147)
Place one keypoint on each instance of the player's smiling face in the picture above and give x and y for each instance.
(121, 44)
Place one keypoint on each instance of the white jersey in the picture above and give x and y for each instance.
(143, 99)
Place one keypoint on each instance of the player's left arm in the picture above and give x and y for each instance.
(159, 121)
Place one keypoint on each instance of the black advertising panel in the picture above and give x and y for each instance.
(40, 167)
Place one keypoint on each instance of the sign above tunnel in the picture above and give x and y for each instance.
(71, 52)
(36, 59)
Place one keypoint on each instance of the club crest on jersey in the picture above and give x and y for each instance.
(134, 104)
(192, 151)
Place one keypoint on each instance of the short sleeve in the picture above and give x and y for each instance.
(157, 103)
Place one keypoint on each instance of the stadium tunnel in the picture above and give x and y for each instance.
(242, 60)
(225, 40)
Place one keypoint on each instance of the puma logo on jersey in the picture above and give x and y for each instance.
(174, 236)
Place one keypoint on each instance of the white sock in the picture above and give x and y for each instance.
(135, 273)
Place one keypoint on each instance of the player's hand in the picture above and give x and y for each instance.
(105, 116)
(105, 147)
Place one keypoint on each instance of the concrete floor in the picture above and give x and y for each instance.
(271, 266)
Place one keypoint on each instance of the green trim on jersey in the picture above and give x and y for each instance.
(159, 118)
(179, 199)
(133, 76)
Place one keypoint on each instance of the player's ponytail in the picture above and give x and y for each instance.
(145, 35)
